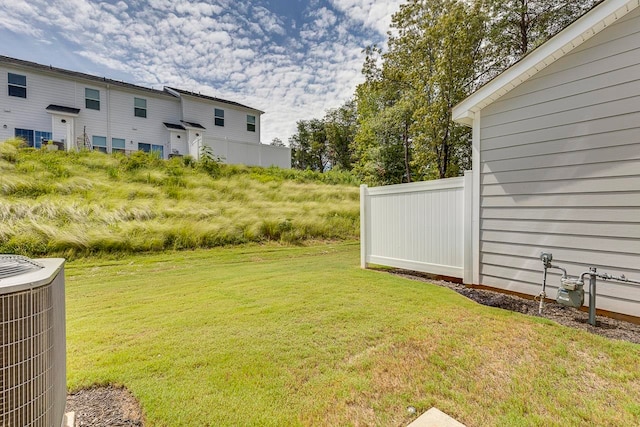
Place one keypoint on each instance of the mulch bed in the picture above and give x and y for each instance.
(105, 407)
(116, 407)
(567, 316)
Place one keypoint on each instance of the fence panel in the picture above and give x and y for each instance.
(422, 226)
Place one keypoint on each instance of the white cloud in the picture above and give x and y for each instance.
(373, 14)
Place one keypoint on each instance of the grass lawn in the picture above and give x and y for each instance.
(274, 335)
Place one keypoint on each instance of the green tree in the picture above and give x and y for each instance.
(433, 55)
(340, 128)
(382, 145)
(519, 26)
(309, 146)
(439, 52)
(277, 142)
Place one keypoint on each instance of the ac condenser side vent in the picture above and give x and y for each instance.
(33, 347)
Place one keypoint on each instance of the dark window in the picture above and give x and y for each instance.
(151, 148)
(92, 99)
(41, 138)
(26, 135)
(35, 139)
(158, 149)
(140, 107)
(251, 123)
(17, 85)
(219, 117)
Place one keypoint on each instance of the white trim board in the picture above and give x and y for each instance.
(600, 17)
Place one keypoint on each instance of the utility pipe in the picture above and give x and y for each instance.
(546, 259)
(592, 296)
(593, 274)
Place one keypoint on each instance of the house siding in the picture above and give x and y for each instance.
(149, 130)
(29, 112)
(560, 171)
(93, 122)
(235, 120)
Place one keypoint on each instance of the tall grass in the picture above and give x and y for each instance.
(72, 204)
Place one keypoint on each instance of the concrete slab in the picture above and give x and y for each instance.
(435, 418)
(69, 419)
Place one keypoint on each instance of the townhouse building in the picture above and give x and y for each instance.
(76, 110)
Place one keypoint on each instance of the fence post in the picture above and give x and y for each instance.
(468, 233)
(363, 226)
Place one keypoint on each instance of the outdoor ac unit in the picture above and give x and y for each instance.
(33, 350)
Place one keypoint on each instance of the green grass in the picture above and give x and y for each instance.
(272, 335)
(75, 204)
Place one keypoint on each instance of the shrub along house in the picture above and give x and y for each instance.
(556, 159)
(76, 110)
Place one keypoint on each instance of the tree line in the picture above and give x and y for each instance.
(397, 126)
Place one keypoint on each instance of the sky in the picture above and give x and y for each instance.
(293, 59)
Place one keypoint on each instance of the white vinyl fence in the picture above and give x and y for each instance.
(422, 226)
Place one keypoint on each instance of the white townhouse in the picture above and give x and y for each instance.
(77, 110)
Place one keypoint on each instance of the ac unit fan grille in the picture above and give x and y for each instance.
(15, 265)
(27, 358)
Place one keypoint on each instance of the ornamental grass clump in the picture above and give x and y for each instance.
(80, 203)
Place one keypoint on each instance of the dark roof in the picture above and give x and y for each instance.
(104, 80)
(193, 125)
(173, 126)
(213, 98)
(61, 109)
(75, 74)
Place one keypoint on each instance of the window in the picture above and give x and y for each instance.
(151, 148)
(92, 99)
(17, 85)
(41, 138)
(33, 138)
(99, 143)
(158, 149)
(219, 117)
(251, 123)
(140, 107)
(117, 145)
(26, 135)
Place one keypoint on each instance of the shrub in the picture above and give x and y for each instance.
(9, 149)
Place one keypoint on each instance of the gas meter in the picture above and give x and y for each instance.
(571, 291)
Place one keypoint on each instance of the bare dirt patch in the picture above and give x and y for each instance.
(105, 407)
(605, 326)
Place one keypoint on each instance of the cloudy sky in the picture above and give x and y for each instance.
(292, 59)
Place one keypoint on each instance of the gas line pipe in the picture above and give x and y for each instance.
(571, 291)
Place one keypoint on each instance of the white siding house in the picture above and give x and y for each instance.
(556, 159)
(78, 110)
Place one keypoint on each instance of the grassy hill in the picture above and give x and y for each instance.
(71, 204)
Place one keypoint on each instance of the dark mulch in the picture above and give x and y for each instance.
(116, 407)
(105, 407)
(567, 316)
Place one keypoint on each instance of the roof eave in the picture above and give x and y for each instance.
(181, 92)
(76, 75)
(555, 48)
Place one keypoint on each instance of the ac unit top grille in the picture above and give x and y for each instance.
(15, 265)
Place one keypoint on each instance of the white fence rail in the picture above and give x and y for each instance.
(422, 226)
